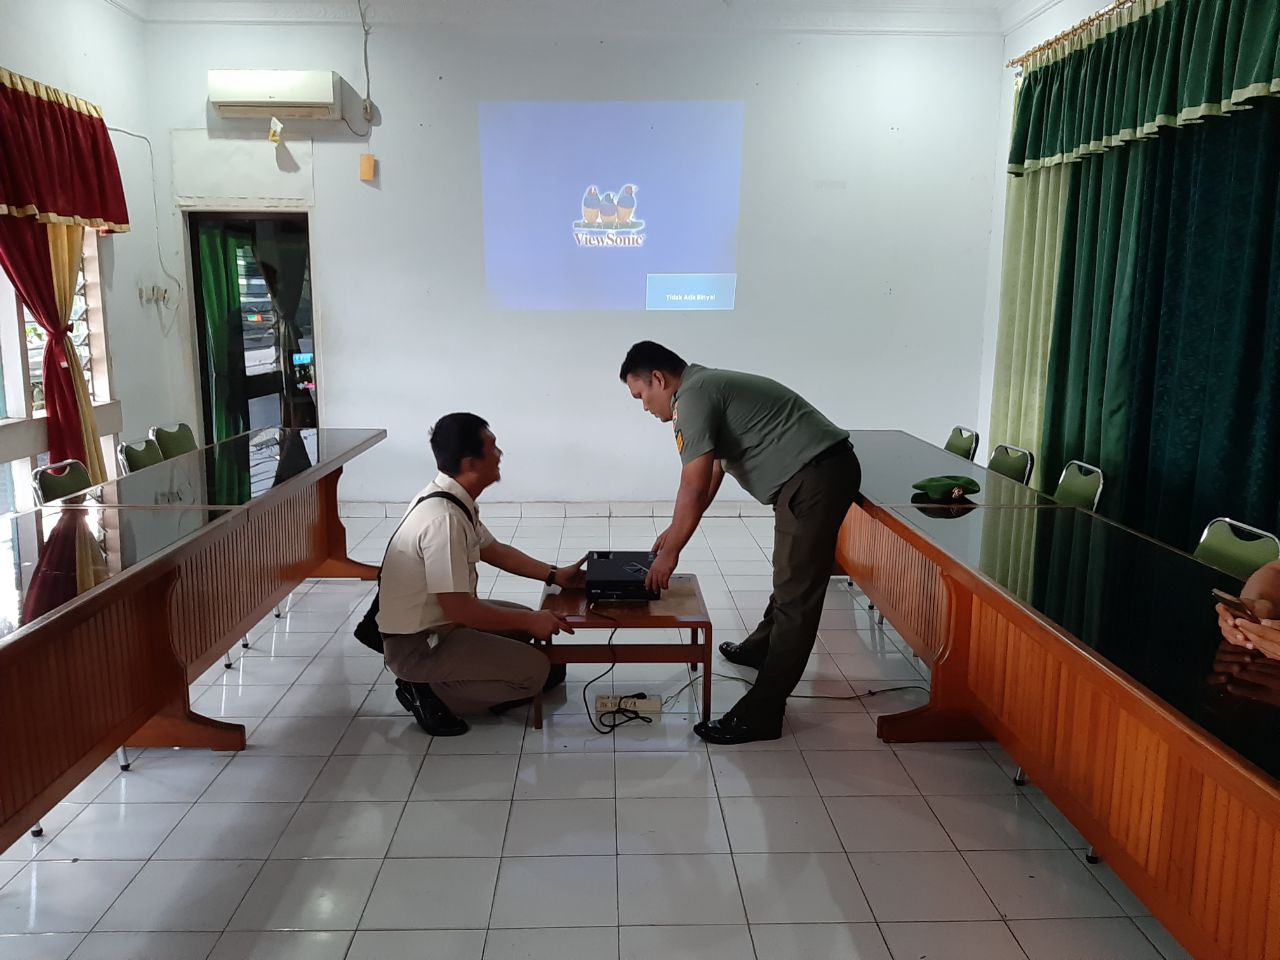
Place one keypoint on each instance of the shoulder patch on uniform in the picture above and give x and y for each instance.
(679, 441)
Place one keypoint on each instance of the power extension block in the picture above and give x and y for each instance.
(605, 703)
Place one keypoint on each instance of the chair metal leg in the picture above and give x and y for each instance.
(279, 611)
(123, 757)
(880, 618)
(227, 661)
(38, 829)
(244, 641)
(1092, 856)
(1020, 778)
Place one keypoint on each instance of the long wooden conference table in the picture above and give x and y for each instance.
(1092, 654)
(114, 602)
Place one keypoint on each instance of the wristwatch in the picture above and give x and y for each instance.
(551, 577)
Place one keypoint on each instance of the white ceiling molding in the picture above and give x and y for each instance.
(138, 9)
(1017, 14)
(937, 17)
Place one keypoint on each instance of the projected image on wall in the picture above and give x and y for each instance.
(611, 205)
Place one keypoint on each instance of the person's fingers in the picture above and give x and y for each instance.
(564, 625)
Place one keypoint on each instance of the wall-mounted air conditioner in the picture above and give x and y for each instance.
(287, 94)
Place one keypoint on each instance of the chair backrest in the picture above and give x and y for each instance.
(1080, 486)
(963, 442)
(1012, 462)
(1236, 548)
(174, 442)
(138, 454)
(59, 480)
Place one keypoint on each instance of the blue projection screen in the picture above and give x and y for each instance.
(604, 205)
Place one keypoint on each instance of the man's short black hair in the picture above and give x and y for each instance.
(456, 436)
(646, 356)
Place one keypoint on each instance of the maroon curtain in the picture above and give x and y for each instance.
(24, 255)
(57, 166)
(56, 159)
(54, 580)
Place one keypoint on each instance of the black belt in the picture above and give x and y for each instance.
(840, 448)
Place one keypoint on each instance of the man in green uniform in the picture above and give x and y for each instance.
(783, 452)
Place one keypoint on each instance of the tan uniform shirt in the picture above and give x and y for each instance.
(435, 551)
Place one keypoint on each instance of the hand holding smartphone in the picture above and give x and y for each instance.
(1240, 608)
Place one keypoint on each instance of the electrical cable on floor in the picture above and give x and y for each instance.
(619, 716)
(667, 701)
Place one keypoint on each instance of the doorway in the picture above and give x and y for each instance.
(253, 322)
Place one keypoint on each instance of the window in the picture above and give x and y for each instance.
(81, 339)
(23, 437)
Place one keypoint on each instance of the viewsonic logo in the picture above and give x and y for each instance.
(609, 220)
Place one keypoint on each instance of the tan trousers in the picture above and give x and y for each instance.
(469, 670)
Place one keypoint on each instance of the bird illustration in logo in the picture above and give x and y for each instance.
(608, 210)
(591, 206)
(626, 203)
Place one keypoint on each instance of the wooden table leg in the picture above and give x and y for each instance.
(537, 710)
(336, 564)
(175, 725)
(706, 673)
(946, 717)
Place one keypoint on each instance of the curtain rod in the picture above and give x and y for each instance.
(1070, 34)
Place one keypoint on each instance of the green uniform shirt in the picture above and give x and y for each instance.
(762, 431)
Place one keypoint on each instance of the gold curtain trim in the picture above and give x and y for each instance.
(66, 251)
(93, 223)
(34, 88)
(1186, 117)
(1089, 30)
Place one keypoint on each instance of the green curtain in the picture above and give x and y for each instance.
(1155, 64)
(1034, 210)
(1163, 365)
(218, 246)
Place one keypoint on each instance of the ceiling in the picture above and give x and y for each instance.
(815, 16)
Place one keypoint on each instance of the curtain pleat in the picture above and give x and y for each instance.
(1154, 64)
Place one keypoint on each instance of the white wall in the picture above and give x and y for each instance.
(866, 215)
(95, 51)
(1029, 23)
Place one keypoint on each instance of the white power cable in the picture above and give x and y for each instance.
(155, 208)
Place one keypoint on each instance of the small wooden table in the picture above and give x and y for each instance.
(681, 607)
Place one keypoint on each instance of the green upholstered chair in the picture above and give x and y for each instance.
(962, 442)
(1012, 462)
(1080, 486)
(1236, 548)
(136, 456)
(174, 442)
(59, 480)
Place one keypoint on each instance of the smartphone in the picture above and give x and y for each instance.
(1237, 606)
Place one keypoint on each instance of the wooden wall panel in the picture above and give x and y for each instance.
(1192, 830)
(904, 584)
(227, 588)
(70, 694)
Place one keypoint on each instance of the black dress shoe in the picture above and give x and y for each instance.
(734, 654)
(404, 693)
(433, 715)
(732, 730)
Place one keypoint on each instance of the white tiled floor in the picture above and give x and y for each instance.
(345, 833)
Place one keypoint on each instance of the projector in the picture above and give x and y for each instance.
(618, 576)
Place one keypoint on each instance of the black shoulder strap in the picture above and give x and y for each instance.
(434, 495)
(445, 495)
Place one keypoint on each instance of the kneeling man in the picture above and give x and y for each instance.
(451, 651)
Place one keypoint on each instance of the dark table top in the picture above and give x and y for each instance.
(51, 556)
(235, 472)
(1141, 606)
(892, 461)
